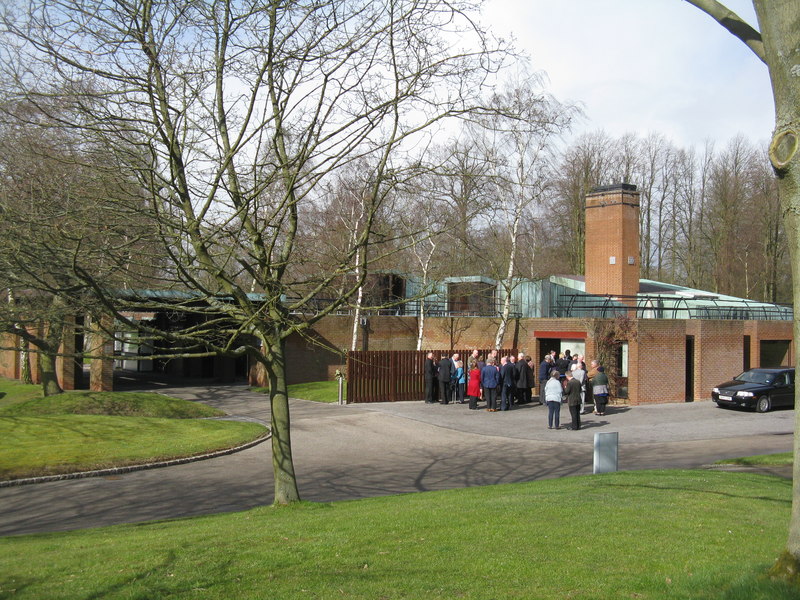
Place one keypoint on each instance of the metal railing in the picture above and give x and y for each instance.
(413, 308)
(659, 306)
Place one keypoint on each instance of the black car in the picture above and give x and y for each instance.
(761, 389)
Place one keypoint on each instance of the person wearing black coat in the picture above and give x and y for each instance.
(573, 392)
(562, 364)
(446, 371)
(545, 368)
(430, 371)
(508, 377)
(524, 379)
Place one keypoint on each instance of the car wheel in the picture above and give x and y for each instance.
(763, 404)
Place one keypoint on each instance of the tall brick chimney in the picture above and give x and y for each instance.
(612, 240)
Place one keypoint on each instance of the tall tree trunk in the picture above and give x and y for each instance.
(47, 367)
(53, 335)
(425, 264)
(508, 284)
(356, 319)
(501, 329)
(778, 20)
(282, 465)
(359, 294)
(421, 323)
(25, 362)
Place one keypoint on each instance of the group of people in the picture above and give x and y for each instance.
(501, 382)
(508, 380)
(566, 380)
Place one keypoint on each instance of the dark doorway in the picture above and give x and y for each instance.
(746, 353)
(774, 353)
(689, 368)
(547, 344)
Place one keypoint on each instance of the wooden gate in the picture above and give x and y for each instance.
(393, 375)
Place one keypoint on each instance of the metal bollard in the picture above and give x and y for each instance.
(606, 459)
(340, 379)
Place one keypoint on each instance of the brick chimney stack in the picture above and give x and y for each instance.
(612, 240)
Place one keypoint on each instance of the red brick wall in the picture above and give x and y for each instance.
(768, 330)
(657, 362)
(718, 353)
(66, 366)
(101, 370)
(464, 332)
(9, 359)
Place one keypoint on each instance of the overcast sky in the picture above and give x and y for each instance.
(644, 65)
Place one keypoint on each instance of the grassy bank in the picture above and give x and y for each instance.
(766, 460)
(645, 535)
(83, 431)
(316, 391)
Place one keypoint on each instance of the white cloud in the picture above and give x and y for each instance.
(642, 66)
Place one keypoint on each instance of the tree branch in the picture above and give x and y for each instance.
(734, 24)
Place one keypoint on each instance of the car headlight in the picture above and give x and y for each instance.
(745, 394)
(715, 390)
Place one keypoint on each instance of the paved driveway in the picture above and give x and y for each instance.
(348, 452)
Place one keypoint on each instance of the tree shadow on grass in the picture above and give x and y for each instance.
(753, 586)
(783, 483)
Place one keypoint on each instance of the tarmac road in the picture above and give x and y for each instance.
(357, 451)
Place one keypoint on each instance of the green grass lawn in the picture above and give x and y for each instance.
(317, 391)
(82, 431)
(780, 459)
(645, 535)
(13, 392)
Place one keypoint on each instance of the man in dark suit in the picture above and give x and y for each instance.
(430, 372)
(524, 379)
(508, 376)
(446, 372)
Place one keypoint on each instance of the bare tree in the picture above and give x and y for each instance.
(421, 222)
(772, 241)
(655, 180)
(518, 140)
(56, 223)
(690, 256)
(585, 163)
(233, 114)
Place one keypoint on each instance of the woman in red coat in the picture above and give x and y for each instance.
(474, 386)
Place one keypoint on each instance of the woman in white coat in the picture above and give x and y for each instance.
(552, 396)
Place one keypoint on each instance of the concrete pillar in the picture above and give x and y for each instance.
(100, 347)
(68, 369)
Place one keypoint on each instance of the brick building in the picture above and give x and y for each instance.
(671, 343)
(667, 343)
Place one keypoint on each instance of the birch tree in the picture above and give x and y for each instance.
(518, 138)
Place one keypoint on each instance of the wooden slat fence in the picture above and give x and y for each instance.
(394, 375)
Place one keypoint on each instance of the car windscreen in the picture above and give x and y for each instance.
(756, 377)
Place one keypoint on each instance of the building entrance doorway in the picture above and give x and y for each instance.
(689, 397)
(775, 353)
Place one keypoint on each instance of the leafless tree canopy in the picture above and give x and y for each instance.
(235, 117)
